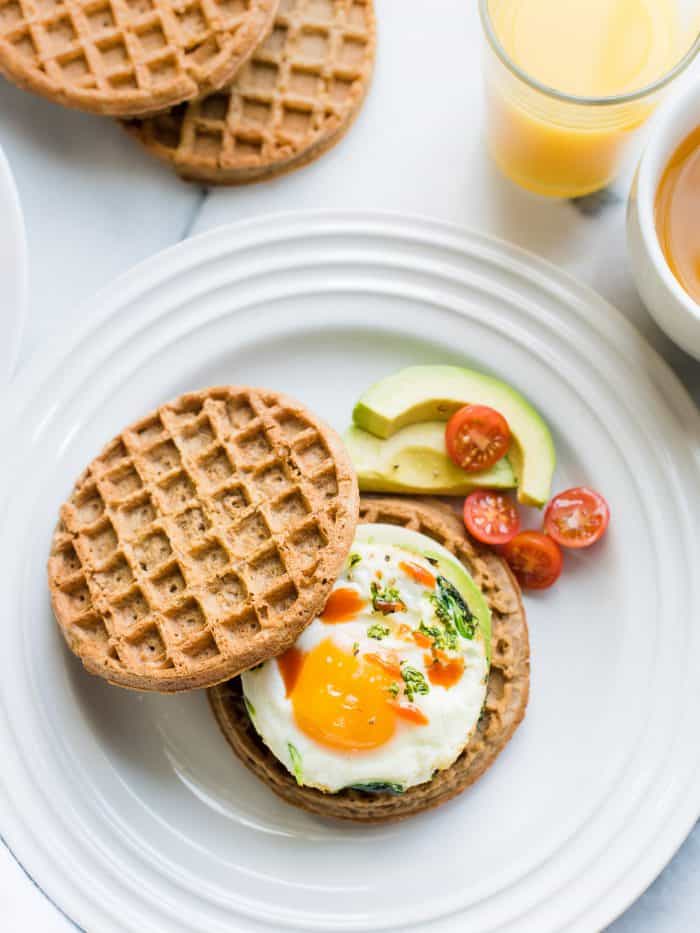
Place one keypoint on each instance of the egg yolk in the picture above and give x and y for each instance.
(341, 701)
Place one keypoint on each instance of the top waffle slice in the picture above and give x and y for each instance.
(128, 57)
(294, 99)
(202, 540)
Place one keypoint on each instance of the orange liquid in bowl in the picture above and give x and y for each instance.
(678, 214)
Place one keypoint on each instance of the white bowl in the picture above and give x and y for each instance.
(668, 302)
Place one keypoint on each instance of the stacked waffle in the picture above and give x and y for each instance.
(214, 534)
(226, 91)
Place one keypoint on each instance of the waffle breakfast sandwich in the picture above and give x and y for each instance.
(367, 659)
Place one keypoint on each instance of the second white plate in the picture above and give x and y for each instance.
(131, 811)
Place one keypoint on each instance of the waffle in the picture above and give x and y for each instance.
(202, 540)
(295, 98)
(506, 697)
(128, 57)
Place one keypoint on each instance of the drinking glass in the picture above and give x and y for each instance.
(558, 144)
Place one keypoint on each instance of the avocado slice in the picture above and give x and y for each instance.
(434, 393)
(414, 461)
(447, 565)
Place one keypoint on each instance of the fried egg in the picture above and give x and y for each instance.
(386, 686)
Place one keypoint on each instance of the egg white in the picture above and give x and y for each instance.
(414, 753)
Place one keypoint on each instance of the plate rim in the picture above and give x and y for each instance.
(605, 320)
(16, 240)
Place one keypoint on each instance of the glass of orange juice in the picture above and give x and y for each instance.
(569, 81)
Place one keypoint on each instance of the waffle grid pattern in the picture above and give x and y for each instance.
(202, 540)
(506, 698)
(290, 102)
(128, 56)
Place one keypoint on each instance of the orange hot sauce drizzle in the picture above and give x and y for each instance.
(387, 663)
(443, 671)
(410, 713)
(421, 639)
(290, 664)
(406, 633)
(342, 606)
(418, 574)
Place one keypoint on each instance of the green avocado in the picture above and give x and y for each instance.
(434, 393)
(414, 461)
(446, 564)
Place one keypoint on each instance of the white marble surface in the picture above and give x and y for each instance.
(95, 204)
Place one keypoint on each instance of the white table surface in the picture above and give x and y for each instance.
(95, 204)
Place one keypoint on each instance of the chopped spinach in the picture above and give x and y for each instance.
(415, 682)
(378, 631)
(379, 787)
(452, 610)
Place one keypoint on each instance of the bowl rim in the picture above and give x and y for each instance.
(663, 141)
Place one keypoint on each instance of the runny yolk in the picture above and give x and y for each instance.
(290, 664)
(342, 606)
(418, 574)
(342, 702)
(443, 671)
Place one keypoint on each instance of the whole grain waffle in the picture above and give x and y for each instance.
(506, 697)
(127, 57)
(202, 540)
(294, 99)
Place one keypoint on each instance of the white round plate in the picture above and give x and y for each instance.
(13, 271)
(129, 809)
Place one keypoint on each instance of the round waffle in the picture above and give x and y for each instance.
(202, 540)
(128, 57)
(506, 697)
(294, 99)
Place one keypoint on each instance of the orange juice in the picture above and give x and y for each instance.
(568, 143)
(678, 214)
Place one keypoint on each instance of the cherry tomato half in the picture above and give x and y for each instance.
(535, 559)
(491, 517)
(477, 437)
(577, 518)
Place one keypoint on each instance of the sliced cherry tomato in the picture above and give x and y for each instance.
(477, 437)
(535, 559)
(491, 517)
(577, 518)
